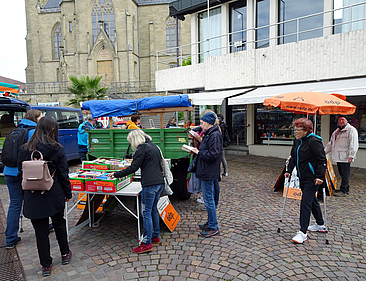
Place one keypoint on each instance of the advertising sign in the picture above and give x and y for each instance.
(167, 213)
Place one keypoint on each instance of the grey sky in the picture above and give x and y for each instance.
(13, 56)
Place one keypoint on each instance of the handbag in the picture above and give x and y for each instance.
(36, 175)
(167, 174)
(193, 165)
(194, 184)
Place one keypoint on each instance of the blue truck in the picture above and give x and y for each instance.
(12, 112)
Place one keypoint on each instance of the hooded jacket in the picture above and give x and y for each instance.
(24, 123)
(209, 155)
(83, 133)
(147, 157)
(37, 205)
(131, 125)
(308, 155)
(343, 144)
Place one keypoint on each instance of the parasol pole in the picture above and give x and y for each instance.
(315, 123)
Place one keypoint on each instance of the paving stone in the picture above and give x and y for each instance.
(249, 247)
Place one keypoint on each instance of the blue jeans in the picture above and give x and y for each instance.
(15, 207)
(82, 151)
(208, 193)
(344, 170)
(149, 199)
(309, 204)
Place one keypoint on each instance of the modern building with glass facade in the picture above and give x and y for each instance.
(242, 52)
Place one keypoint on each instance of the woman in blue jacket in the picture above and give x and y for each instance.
(308, 155)
(30, 119)
(208, 170)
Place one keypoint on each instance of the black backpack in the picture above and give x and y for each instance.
(225, 134)
(12, 144)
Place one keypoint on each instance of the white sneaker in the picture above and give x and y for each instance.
(300, 237)
(200, 200)
(317, 228)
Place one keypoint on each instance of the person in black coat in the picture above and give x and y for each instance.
(208, 170)
(39, 207)
(308, 155)
(147, 157)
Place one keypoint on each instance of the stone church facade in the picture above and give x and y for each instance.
(114, 39)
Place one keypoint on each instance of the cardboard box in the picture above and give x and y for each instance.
(77, 184)
(95, 166)
(108, 186)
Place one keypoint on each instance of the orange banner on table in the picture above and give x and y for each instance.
(82, 203)
(167, 213)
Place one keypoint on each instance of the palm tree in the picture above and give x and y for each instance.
(86, 88)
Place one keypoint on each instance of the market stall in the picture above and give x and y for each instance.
(132, 190)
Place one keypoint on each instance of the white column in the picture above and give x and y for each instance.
(273, 19)
(194, 38)
(250, 124)
(325, 128)
(251, 11)
(328, 18)
(225, 24)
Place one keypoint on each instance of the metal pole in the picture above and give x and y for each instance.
(176, 40)
(325, 217)
(208, 27)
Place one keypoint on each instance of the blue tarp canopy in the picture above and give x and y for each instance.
(114, 108)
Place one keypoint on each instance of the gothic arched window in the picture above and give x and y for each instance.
(103, 11)
(57, 37)
(170, 35)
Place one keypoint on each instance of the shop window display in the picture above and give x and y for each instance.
(274, 126)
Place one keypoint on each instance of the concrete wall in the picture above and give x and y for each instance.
(335, 56)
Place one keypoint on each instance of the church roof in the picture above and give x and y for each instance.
(151, 2)
(54, 5)
(51, 6)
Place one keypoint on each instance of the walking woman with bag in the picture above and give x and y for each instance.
(308, 156)
(40, 207)
(147, 157)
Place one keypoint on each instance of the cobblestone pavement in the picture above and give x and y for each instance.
(249, 247)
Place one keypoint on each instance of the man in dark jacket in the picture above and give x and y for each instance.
(208, 170)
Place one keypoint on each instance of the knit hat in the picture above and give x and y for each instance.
(209, 117)
(344, 116)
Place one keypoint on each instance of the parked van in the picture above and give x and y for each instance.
(12, 111)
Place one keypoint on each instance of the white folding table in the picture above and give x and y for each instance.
(131, 190)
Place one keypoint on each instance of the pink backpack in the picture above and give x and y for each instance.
(36, 175)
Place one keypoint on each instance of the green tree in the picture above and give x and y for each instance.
(86, 88)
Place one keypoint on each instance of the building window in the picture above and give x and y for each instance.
(238, 26)
(262, 19)
(103, 11)
(57, 36)
(170, 35)
(212, 47)
(292, 29)
(349, 15)
(70, 26)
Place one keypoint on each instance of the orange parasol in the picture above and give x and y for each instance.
(312, 103)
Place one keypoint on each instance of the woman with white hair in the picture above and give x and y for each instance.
(147, 157)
